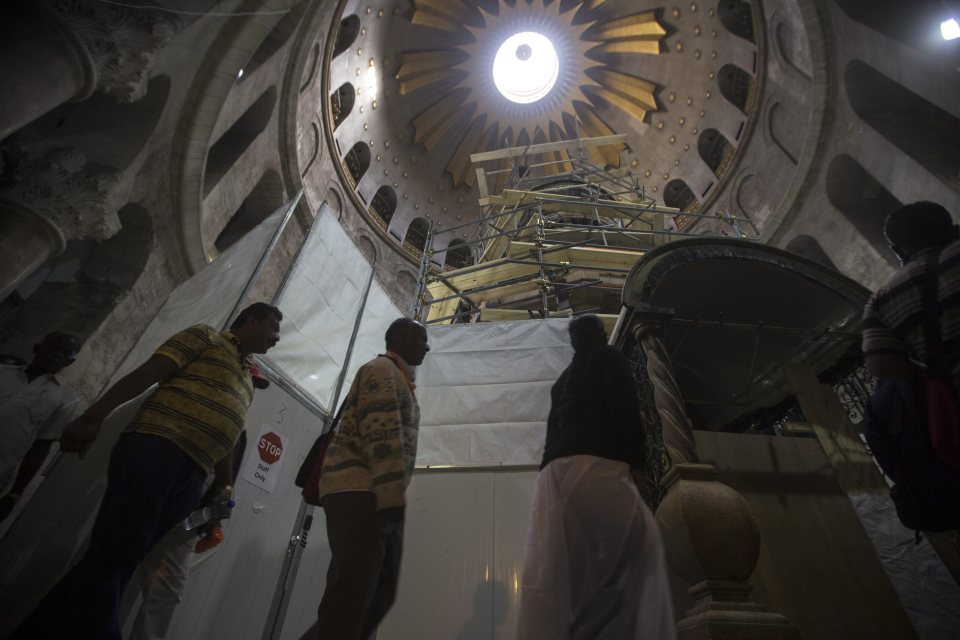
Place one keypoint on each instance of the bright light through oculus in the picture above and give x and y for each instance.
(525, 67)
(950, 29)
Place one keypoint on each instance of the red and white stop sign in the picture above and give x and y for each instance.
(270, 447)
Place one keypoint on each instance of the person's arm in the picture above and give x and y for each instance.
(79, 434)
(28, 469)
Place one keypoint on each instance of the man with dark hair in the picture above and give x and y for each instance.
(35, 406)
(186, 429)
(924, 237)
(366, 470)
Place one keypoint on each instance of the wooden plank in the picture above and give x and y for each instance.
(854, 466)
(547, 147)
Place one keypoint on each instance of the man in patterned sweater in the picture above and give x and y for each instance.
(185, 430)
(365, 474)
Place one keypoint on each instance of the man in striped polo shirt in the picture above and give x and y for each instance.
(893, 338)
(183, 432)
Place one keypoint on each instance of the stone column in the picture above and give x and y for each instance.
(42, 64)
(47, 197)
(27, 240)
(710, 535)
(57, 51)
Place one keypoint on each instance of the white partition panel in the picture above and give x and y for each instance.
(208, 296)
(320, 302)
(484, 391)
(463, 553)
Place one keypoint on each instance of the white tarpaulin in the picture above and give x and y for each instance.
(208, 296)
(320, 302)
(484, 391)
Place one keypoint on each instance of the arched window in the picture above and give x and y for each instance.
(678, 194)
(714, 148)
(734, 85)
(736, 17)
(417, 233)
(341, 103)
(265, 198)
(346, 34)
(921, 129)
(357, 161)
(915, 23)
(277, 37)
(458, 255)
(230, 146)
(384, 203)
(862, 200)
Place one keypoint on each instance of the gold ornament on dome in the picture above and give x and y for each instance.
(593, 77)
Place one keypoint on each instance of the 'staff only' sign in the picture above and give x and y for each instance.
(264, 463)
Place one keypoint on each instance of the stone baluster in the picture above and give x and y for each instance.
(711, 538)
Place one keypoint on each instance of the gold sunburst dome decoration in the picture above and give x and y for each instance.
(588, 77)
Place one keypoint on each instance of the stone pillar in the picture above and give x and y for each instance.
(57, 51)
(27, 240)
(42, 64)
(710, 535)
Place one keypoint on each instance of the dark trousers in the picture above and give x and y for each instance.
(151, 486)
(366, 546)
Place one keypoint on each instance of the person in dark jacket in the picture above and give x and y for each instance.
(595, 565)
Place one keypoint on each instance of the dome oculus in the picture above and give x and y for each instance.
(526, 67)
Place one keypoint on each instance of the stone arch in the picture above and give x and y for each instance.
(357, 161)
(341, 103)
(274, 41)
(793, 50)
(862, 200)
(347, 34)
(714, 149)
(737, 18)
(808, 247)
(786, 130)
(459, 255)
(309, 147)
(734, 84)
(416, 235)
(677, 193)
(384, 204)
(335, 202)
(312, 65)
(367, 248)
(230, 146)
(265, 198)
(919, 128)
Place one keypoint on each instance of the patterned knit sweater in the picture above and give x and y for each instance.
(375, 445)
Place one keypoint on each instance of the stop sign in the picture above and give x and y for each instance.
(270, 447)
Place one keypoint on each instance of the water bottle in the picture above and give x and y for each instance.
(218, 509)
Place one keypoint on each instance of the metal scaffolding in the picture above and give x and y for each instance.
(557, 238)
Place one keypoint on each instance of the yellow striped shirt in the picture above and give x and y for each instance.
(200, 408)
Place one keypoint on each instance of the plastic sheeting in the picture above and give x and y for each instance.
(928, 592)
(320, 301)
(208, 296)
(484, 391)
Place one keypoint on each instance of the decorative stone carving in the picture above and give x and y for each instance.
(59, 185)
(122, 41)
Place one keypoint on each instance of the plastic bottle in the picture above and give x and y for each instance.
(219, 509)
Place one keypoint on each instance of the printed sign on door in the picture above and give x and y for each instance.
(264, 463)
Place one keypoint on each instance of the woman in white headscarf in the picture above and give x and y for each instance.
(595, 567)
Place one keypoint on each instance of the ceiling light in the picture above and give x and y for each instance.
(526, 67)
(949, 29)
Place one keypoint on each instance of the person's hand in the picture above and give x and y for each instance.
(7, 503)
(80, 434)
(217, 497)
